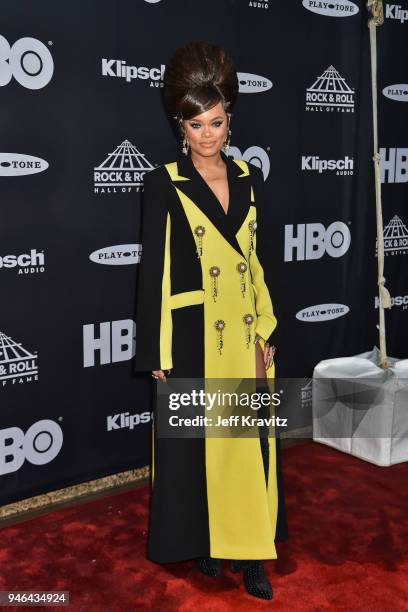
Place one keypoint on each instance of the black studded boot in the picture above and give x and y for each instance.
(209, 566)
(255, 580)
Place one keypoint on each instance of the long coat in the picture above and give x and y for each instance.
(210, 496)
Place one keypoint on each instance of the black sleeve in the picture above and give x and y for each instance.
(153, 313)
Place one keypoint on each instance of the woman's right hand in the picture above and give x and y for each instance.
(160, 374)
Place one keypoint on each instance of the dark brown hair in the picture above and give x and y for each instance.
(198, 76)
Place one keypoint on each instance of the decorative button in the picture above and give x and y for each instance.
(214, 273)
(219, 326)
(242, 268)
(199, 231)
(248, 319)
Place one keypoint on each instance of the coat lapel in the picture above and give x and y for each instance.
(192, 184)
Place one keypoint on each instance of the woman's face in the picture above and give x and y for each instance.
(207, 132)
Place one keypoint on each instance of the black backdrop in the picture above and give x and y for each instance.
(82, 120)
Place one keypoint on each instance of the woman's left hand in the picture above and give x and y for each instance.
(268, 353)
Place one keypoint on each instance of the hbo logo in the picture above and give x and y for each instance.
(39, 445)
(113, 342)
(313, 240)
(28, 61)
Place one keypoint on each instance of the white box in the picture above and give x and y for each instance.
(362, 409)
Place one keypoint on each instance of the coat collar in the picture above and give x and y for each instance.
(192, 184)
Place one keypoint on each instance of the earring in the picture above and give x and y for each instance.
(226, 144)
(186, 145)
(179, 118)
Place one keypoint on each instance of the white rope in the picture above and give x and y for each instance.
(384, 295)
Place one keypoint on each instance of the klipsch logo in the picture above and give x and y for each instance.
(322, 312)
(18, 164)
(28, 61)
(394, 164)
(121, 70)
(313, 240)
(39, 445)
(398, 300)
(397, 92)
(330, 93)
(255, 155)
(25, 263)
(395, 235)
(122, 171)
(252, 83)
(119, 255)
(337, 166)
(260, 5)
(17, 364)
(125, 420)
(109, 342)
(335, 8)
(395, 11)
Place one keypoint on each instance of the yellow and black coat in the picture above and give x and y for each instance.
(202, 297)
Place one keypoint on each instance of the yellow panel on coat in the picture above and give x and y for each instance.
(242, 510)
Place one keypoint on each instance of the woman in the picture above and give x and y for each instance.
(204, 310)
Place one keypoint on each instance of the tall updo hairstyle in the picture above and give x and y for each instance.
(198, 76)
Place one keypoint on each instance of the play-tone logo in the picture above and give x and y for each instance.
(252, 83)
(322, 312)
(109, 342)
(18, 164)
(394, 164)
(39, 445)
(25, 263)
(397, 92)
(330, 93)
(122, 171)
(17, 364)
(395, 11)
(29, 61)
(335, 8)
(339, 167)
(313, 240)
(119, 255)
(254, 155)
(395, 235)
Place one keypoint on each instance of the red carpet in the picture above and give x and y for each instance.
(347, 548)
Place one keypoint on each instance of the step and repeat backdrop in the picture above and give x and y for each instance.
(82, 121)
